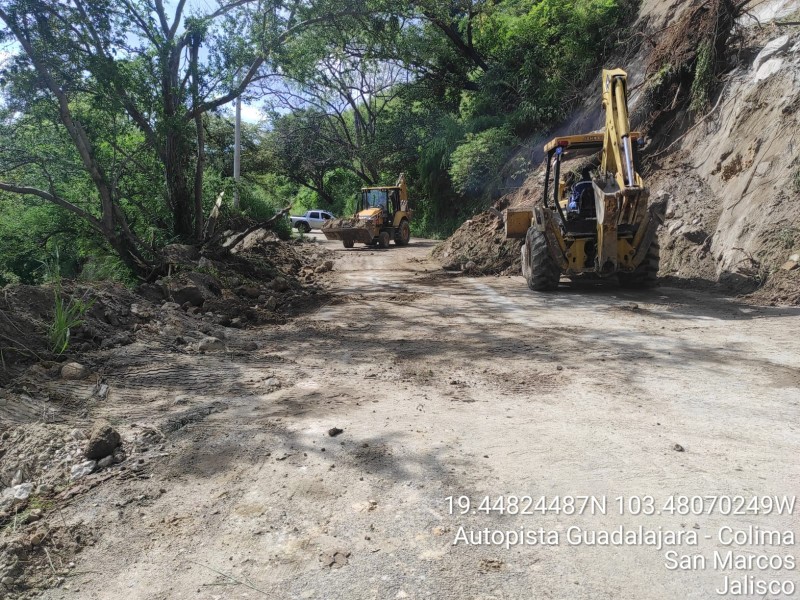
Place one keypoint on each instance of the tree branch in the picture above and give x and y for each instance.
(58, 200)
(177, 21)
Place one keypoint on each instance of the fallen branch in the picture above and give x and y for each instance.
(211, 223)
(244, 583)
(50, 560)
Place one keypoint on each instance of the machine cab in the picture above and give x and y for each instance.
(383, 201)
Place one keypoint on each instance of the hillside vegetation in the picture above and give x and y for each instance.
(116, 120)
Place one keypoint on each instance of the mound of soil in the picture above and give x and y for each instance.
(267, 282)
(480, 247)
(48, 447)
(26, 314)
(782, 288)
(481, 240)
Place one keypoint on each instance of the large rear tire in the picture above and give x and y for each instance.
(538, 265)
(403, 234)
(303, 226)
(646, 274)
(383, 239)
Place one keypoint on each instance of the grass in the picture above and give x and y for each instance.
(67, 315)
(787, 237)
(703, 78)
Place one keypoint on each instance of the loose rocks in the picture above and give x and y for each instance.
(211, 344)
(74, 371)
(82, 469)
(103, 440)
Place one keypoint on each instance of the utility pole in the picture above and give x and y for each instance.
(237, 150)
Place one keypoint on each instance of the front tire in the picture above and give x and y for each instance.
(538, 265)
(646, 274)
(347, 243)
(383, 239)
(403, 234)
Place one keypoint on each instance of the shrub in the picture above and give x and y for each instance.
(476, 164)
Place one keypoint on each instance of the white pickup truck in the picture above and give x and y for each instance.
(313, 219)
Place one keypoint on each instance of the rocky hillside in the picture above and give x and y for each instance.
(730, 170)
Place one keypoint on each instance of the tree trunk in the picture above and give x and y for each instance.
(179, 193)
(130, 255)
(201, 141)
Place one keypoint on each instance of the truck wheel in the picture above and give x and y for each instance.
(646, 274)
(403, 234)
(383, 239)
(303, 226)
(347, 243)
(538, 265)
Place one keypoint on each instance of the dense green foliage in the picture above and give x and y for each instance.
(116, 134)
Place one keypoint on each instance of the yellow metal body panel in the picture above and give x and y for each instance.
(574, 140)
(576, 255)
(625, 254)
(400, 215)
(369, 213)
(517, 222)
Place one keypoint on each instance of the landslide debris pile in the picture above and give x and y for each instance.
(135, 349)
(264, 280)
(27, 312)
(480, 246)
(41, 467)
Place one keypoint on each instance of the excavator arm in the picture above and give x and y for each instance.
(617, 157)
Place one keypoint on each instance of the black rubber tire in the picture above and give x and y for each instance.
(347, 243)
(303, 226)
(403, 234)
(383, 239)
(538, 266)
(646, 274)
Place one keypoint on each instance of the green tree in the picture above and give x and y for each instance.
(132, 58)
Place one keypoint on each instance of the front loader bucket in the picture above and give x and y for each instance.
(348, 234)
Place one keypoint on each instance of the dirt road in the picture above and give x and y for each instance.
(451, 386)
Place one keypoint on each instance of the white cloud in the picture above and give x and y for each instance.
(252, 114)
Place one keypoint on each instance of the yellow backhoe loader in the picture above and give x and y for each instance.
(601, 224)
(383, 214)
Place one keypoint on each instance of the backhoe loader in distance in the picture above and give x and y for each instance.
(602, 225)
(383, 214)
